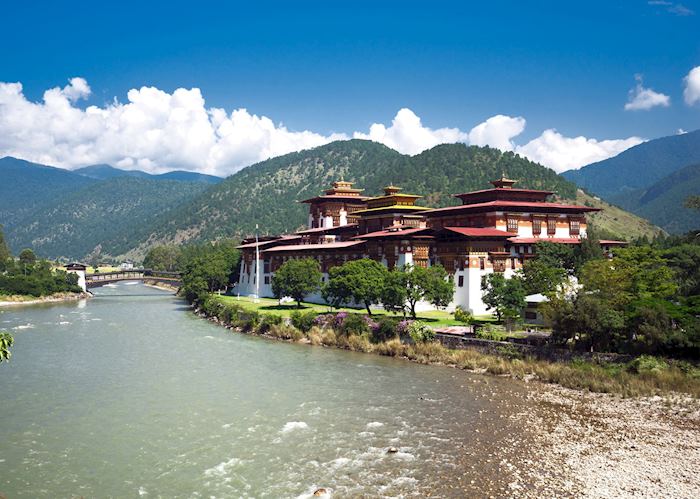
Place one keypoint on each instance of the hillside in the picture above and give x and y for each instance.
(109, 217)
(104, 172)
(638, 167)
(662, 202)
(25, 186)
(268, 193)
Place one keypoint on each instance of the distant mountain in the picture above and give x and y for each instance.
(103, 172)
(268, 193)
(108, 218)
(638, 167)
(25, 186)
(662, 202)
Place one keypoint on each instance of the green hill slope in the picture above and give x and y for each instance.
(107, 218)
(25, 186)
(638, 167)
(268, 193)
(662, 202)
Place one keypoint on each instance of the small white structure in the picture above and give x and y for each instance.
(79, 270)
(128, 265)
(532, 311)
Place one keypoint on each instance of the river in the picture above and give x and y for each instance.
(129, 394)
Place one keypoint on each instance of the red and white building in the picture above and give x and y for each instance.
(493, 230)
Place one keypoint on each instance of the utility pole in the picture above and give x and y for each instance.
(257, 265)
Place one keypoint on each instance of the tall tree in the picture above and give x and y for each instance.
(506, 297)
(360, 280)
(297, 278)
(4, 250)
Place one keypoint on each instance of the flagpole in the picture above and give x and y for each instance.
(257, 265)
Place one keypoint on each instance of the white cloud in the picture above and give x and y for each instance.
(691, 93)
(158, 131)
(643, 99)
(561, 153)
(497, 131)
(408, 135)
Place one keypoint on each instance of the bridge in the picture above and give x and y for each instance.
(173, 279)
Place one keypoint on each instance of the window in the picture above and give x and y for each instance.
(512, 224)
(460, 281)
(536, 227)
(551, 226)
(530, 315)
(482, 263)
(574, 227)
(266, 266)
(512, 263)
(267, 279)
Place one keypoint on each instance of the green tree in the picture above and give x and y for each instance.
(541, 276)
(164, 258)
(6, 341)
(5, 254)
(27, 257)
(360, 280)
(297, 278)
(431, 284)
(394, 291)
(506, 297)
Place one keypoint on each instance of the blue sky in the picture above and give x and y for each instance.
(342, 66)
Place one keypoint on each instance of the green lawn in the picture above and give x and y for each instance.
(270, 306)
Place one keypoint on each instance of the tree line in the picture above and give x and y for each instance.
(29, 276)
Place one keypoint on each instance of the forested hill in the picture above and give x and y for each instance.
(267, 193)
(663, 201)
(638, 167)
(105, 220)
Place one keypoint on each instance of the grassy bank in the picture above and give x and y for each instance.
(8, 300)
(435, 318)
(642, 377)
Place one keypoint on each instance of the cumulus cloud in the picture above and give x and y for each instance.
(154, 131)
(691, 93)
(566, 153)
(497, 131)
(643, 99)
(158, 131)
(408, 135)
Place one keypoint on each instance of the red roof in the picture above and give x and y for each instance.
(500, 189)
(612, 242)
(391, 233)
(269, 241)
(514, 205)
(313, 247)
(478, 231)
(335, 197)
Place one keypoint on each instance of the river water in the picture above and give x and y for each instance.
(130, 395)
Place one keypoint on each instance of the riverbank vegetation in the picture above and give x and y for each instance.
(411, 340)
(6, 341)
(28, 276)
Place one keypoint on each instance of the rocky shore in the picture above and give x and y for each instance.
(605, 446)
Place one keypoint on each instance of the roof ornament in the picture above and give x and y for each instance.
(503, 182)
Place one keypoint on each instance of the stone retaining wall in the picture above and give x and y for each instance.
(539, 352)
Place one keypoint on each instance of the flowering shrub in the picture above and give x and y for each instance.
(402, 327)
(324, 320)
(340, 319)
(353, 324)
(420, 332)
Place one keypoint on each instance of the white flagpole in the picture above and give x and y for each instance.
(257, 265)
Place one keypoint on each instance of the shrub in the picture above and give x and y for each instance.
(464, 316)
(247, 321)
(269, 320)
(392, 348)
(303, 320)
(354, 324)
(315, 335)
(385, 330)
(509, 351)
(329, 338)
(285, 332)
(420, 332)
(647, 364)
(487, 332)
(359, 343)
(402, 328)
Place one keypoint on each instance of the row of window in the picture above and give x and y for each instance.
(574, 226)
